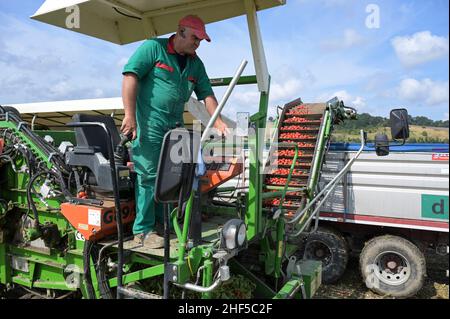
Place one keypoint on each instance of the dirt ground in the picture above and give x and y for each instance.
(351, 285)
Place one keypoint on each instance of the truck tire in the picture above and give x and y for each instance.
(392, 266)
(330, 247)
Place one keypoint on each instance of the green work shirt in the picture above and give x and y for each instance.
(163, 89)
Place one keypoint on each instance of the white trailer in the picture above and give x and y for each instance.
(389, 210)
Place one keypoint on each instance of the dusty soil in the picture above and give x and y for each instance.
(351, 285)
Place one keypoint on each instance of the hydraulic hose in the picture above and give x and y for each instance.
(30, 199)
(105, 290)
(87, 269)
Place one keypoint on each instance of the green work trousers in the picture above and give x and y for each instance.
(146, 158)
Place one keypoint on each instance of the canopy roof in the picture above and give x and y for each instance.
(126, 21)
(55, 115)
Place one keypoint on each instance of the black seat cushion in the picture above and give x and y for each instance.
(95, 137)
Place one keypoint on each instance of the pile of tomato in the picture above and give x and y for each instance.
(297, 119)
(273, 202)
(280, 181)
(284, 161)
(285, 171)
(299, 110)
(277, 201)
(297, 128)
(288, 153)
(301, 144)
(288, 162)
(297, 135)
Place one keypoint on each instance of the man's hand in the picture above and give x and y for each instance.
(129, 91)
(211, 106)
(222, 127)
(129, 126)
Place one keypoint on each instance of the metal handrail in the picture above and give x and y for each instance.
(224, 100)
(328, 188)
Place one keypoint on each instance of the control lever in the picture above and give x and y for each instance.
(120, 152)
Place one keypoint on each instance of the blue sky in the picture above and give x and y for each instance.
(315, 49)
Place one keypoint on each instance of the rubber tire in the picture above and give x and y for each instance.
(415, 257)
(339, 250)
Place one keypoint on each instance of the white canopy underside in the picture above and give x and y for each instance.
(127, 21)
(54, 115)
(107, 20)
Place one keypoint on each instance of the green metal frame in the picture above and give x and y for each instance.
(47, 270)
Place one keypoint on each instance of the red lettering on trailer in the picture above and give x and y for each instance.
(440, 157)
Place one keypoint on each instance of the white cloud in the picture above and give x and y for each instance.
(286, 90)
(342, 95)
(424, 91)
(349, 39)
(64, 68)
(446, 116)
(247, 100)
(349, 100)
(419, 48)
(359, 102)
(60, 89)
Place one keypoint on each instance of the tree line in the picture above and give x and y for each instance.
(366, 120)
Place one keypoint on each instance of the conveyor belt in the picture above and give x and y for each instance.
(299, 124)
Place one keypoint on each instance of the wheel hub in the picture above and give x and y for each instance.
(392, 268)
(391, 265)
(319, 251)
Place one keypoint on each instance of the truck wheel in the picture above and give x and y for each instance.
(393, 266)
(330, 247)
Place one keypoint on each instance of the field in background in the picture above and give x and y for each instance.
(418, 134)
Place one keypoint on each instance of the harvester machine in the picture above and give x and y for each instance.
(67, 197)
(66, 211)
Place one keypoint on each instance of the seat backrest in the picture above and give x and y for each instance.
(95, 137)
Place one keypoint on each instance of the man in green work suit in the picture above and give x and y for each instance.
(158, 80)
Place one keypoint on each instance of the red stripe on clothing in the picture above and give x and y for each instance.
(164, 66)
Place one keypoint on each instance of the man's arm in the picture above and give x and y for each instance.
(211, 106)
(129, 93)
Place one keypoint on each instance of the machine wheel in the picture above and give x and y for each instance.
(330, 247)
(393, 266)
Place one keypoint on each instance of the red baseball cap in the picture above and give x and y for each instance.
(197, 25)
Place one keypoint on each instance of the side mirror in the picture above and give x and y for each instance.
(399, 124)
(381, 144)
